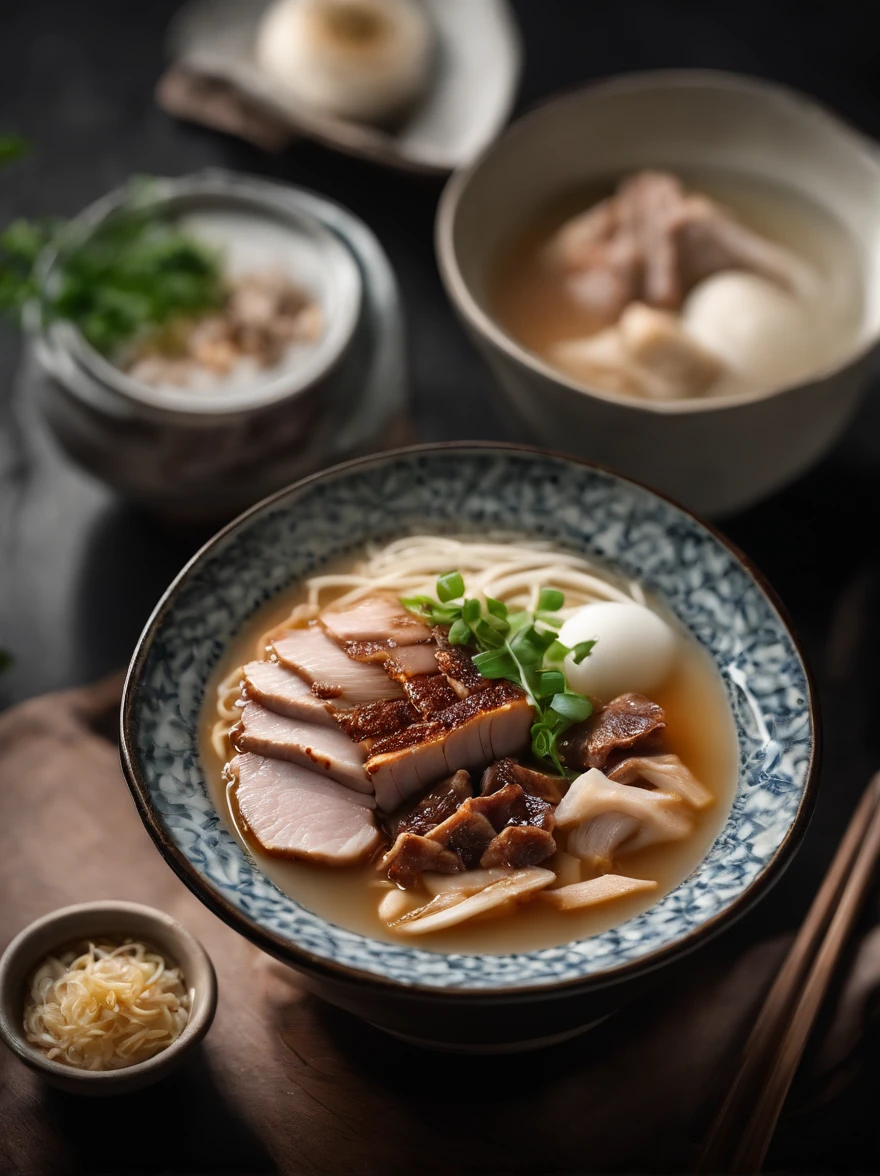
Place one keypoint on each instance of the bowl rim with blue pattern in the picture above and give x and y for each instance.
(458, 487)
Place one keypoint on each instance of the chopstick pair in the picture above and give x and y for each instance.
(739, 1138)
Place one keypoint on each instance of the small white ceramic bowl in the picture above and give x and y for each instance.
(713, 455)
(86, 921)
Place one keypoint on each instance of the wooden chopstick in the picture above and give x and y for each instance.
(741, 1132)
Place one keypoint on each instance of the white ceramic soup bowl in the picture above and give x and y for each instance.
(454, 1000)
(714, 455)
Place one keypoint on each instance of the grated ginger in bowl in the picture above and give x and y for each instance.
(105, 1007)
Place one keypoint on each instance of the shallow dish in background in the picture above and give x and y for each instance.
(86, 921)
(716, 455)
(193, 456)
(458, 1000)
(467, 101)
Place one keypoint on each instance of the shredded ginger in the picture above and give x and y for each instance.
(107, 1007)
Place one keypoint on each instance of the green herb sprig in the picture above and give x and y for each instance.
(135, 272)
(521, 647)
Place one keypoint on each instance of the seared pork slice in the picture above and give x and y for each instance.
(376, 618)
(628, 721)
(429, 693)
(597, 890)
(508, 771)
(375, 720)
(519, 846)
(284, 692)
(330, 672)
(440, 803)
(291, 811)
(411, 854)
(489, 724)
(369, 651)
(323, 749)
(666, 772)
(450, 908)
(411, 660)
(457, 664)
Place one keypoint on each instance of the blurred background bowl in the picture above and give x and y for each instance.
(714, 455)
(194, 457)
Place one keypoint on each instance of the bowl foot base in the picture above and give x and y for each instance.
(486, 1048)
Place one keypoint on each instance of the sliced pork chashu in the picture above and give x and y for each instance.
(291, 811)
(330, 672)
(376, 618)
(487, 725)
(284, 692)
(325, 750)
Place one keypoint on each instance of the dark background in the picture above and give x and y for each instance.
(79, 570)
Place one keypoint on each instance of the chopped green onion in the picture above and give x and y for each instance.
(550, 600)
(459, 633)
(573, 707)
(450, 587)
(521, 647)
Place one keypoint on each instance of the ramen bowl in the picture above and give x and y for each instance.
(463, 1000)
(718, 454)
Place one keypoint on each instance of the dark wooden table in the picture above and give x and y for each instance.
(80, 570)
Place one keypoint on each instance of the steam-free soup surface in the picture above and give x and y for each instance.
(537, 301)
(700, 731)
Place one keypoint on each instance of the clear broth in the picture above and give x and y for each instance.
(700, 729)
(533, 304)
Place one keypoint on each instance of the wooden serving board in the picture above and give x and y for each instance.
(287, 1083)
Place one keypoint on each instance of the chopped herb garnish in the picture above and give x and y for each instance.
(135, 272)
(521, 647)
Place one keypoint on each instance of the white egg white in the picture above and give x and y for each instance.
(635, 649)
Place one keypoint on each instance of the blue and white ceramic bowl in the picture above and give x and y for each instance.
(473, 1000)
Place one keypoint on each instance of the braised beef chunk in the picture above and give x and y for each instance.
(474, 826)
(429, 693)
(467, 833)
(508, 771)
(411, 854)
(511, 805)
(628, 721)
(374, 720)
(440, 803)
(519, 846)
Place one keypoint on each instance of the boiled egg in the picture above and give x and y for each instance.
(634, 651)
(767, 336)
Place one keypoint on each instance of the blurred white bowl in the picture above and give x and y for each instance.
(714, 455)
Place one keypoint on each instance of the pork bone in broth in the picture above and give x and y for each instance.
(777, 339)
